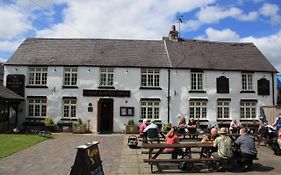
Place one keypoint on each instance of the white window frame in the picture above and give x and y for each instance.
(36, 107)
(196, 79)
(247, 81)
(198, 109)
(150, 109)
(248, 110)
(70, 76)
(223, 107)
(37, 76)
(106, 76)
(69, 107)
(150, 78)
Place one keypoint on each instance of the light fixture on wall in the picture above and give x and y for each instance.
(16, 69)
(54, 89)
(89, 70)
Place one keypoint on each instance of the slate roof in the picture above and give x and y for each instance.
(96, 52)
(9, 94)
(210, 55)
(141, 53)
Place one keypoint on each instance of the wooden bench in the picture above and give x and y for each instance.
(156, 149)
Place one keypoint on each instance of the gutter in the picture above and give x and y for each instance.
(169, 81)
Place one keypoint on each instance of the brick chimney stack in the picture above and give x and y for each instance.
(174, 34)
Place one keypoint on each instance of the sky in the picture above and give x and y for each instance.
(257, 21)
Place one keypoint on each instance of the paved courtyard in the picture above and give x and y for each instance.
(56, 156)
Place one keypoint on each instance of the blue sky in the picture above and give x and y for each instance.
(257, 21)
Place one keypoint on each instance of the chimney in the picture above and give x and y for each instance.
(173, 35)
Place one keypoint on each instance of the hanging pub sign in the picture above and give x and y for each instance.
(106, 93)
(87, 160)
(16, 83)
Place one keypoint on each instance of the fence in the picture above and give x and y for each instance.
(271, 112)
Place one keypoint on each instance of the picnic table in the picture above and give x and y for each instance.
(156, 149)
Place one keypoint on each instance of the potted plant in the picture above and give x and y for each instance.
(79, 127)
(49, 124)
(131, 127)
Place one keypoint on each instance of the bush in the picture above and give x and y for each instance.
(49, 121)
(131, 122)
(167, 126)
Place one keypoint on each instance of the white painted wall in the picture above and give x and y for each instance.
(130, 79)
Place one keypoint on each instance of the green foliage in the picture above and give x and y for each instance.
(131, 122)
(167, 126)
(79, 121)
(49, 121)
(11, 143)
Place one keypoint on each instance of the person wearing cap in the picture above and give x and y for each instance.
(247, 146)
(224, 145)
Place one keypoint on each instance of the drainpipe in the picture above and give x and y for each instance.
(273, 94)
(169, 96)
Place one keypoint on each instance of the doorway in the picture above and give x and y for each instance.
(105, 115)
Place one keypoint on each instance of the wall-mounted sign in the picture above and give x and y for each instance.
(16, 83)
(126, 111)
(106, 93)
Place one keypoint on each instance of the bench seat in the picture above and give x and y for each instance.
(197, 160)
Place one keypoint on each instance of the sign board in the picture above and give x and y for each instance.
(16, 83)
(87, 160)
(106, 93)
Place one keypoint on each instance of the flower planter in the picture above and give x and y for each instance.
(79, 128)
(132, 129)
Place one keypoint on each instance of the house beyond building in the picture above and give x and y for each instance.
(106, 82)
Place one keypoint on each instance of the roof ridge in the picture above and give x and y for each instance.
(112, 39)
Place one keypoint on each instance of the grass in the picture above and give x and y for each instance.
(11, 143)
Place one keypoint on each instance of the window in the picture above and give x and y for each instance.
(223, 109)
(222, 85)
(247, 81)
(150, 109)
(248, 109)
(70, 76)
(106, 77)
(37, 75)
(198, 109)
(263, 86)
(150, 77)
(69, 107)
(197, 81)
(37, 106)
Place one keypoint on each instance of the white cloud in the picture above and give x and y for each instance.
(12, 22)
(271, 10)
(268, 45)
(2, 60)
(214, 14)
(10, 46)
(141, 19)
(223, 35)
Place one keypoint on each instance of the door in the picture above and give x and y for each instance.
(105, 115)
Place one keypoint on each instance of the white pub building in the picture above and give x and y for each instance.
(106, 82)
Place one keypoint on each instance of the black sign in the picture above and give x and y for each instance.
(16, 83)
(87, 160)
(107, 93)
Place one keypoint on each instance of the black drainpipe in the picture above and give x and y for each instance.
(169, 96)
(273, 94)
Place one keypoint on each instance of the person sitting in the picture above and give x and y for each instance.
(181, 125)
(142, 126)
(151, 132)
(233, 128)
(263, 128)
(246, 144)
(172, 138)
(224, 146)
(279, 138)
(192, 127)
(277, 123)
(209, 139)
